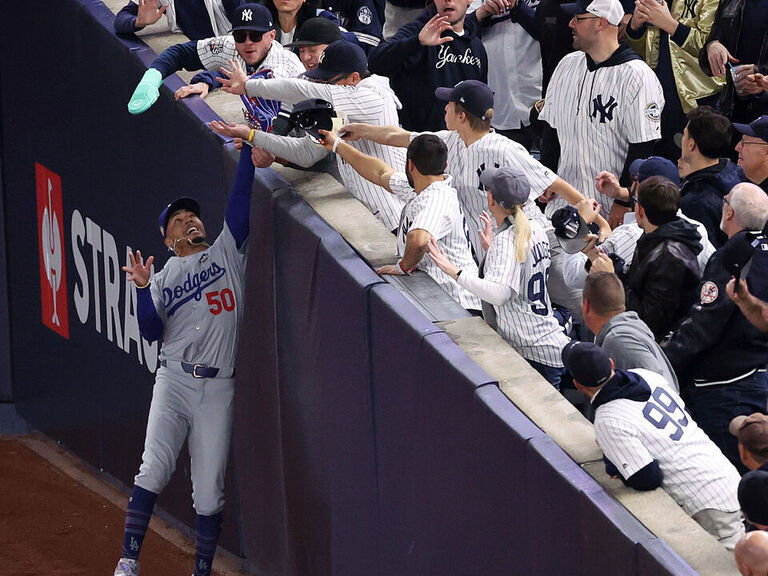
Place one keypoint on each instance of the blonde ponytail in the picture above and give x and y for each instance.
(522, 234)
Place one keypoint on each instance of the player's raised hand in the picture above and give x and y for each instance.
(235, 80)
(199, 88)
(430, 35)
(602, 263)
(353, 131)
(230, 130)
(608, 184)
(439, 258)
(718, 57)
(657, 14)
(148, 13)
(486, 232)
(588, 209)
(139, 271)
(494, 8)
(329, 138)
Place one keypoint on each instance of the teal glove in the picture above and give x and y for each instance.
(146, 92)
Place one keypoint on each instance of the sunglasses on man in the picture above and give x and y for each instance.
(240, 36)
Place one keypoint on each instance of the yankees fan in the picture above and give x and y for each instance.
(649, 440)
(512, 276)
(431, 212)
(603, 104)
(341, 78)
(251, 44)
(195, 304)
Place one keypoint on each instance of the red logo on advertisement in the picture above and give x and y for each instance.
(50, 235)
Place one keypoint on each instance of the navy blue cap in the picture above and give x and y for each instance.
(587, 363)
(252, 16)
(185, 203)
(753, 496)
(316, 31)
(736, 253)
(757, 128)
(571, 229)
(643, 168)
(509, 187)
(339, 58)
(313, 115)
(473, 95)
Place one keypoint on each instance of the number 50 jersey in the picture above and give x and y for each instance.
(632, 434)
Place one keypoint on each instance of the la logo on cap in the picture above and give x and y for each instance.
(247, 15)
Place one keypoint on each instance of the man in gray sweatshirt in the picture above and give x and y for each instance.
(621, 334)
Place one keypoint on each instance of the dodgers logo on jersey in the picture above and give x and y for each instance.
(192, 287)
(364, 15)
(605, 109)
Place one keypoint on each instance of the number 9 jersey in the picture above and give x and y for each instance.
(199, 299)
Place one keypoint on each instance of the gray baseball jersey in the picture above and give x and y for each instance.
(632, 434)
(598, 112)
(218, 51)
(436, 210)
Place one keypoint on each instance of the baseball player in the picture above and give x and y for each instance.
(195, 305)
(251, 44)
(649, 440)
(603, 104)
(513, 275)
(431, 212)
(340, 78)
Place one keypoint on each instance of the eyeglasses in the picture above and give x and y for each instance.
(745, 142)
(240, 36)
(580, 18)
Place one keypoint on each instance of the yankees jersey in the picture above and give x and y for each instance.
(218, 51)
(199, 299)
(526, 320)
(436, 210)
(598, 111)
(466, 163)
(360, 17)
(370, 102)
(633, 433)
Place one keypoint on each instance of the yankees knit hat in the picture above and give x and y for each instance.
(316, 31)
(752, 432)
(571, 229)
(611, 10)
(185, 203)
(509, 187)
(643, 168)
(753, 496)
(473, 95)
(587, 363)
(757, 128)
(252, 16)
(339, 58)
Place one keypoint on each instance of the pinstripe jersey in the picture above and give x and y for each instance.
(436, 210)
(466, 163)
(371, 102)
(597, 114)
(216, 52)
(632, 434)
(526, 320)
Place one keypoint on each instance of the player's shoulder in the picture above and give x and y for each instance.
(216, 46)
(575, 59)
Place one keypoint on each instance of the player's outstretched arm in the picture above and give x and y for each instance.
(386, 135)
(372, 169)
(150, 324)
(239, 203)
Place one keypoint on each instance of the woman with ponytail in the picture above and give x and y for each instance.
(512, 278)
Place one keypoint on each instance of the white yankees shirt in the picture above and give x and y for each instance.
(371, 102)
(597, 114)
(632, 434)
(526, 320)
(436, 210)
(218, 51)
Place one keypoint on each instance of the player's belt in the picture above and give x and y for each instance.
(199, 370)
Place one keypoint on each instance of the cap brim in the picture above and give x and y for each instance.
(634, 168)
(319, 74)
(745, 129)
(736, 424)
(486, 176)
(578, 242)
(444, 93)
(300, 43)
(252, 28)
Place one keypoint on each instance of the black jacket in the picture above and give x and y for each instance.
(715, 342)
(664, 275)
(702, 194)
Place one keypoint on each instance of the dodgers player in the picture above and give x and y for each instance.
(649, 439)
(195, 304)
(512, 278)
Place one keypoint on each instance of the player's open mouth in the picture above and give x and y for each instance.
(192, 229)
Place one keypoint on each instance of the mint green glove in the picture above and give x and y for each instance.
(146, 92)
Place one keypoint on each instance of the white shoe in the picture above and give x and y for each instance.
(127, 567)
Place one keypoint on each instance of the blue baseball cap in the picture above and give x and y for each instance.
(509, 187)
(571, 229)
(252, 16)
(644, 168)
(185, 203)
(757, 128)
(473, 95)
(587, 363)
(339, 58)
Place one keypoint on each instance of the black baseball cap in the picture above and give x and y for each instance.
(757, 128)
(313, 115)
(340, 58)
(509, 187)
(571, 229)
(184, 203)
(316, 31)
(736, 253)
(473, 95)
(587, 363)
(252, 16)
(753, 496)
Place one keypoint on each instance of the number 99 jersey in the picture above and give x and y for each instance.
(199, 299)
(632, 434)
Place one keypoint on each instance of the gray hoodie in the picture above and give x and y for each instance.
(631, 344)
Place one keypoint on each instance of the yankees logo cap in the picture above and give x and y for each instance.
(753, 496)
(339, 59)
(185, 203)
(752, 432)
(312, 115)
(473, 95)
(757, 128)
(252, 16)
(316, 31)
(587, 363)
(611, 10)
(643, 168)
(509, 187)
(571, 229)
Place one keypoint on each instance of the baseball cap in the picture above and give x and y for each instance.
(252, 16)
(185, 203)
(736, 253)
(316, 31)
(757, 128)
(340, 58)
(753, 496)
(752, 432)
(643, 168)
(571, 229)
(611, 10)
(509, 187)
(312, 115)
(473, 95)
(587, 363)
